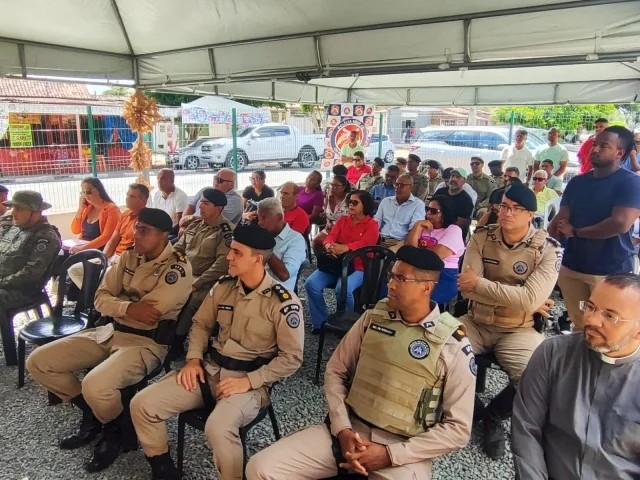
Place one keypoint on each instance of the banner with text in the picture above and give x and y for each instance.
(342, 119)
(203, 115)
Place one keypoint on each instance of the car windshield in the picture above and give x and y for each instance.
(433, 136)
(246, 131)
(198, 142)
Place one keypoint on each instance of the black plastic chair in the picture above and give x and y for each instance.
(59, 325)
(377, 260)
(6, 329)
(484, 362)
(307, 241)
(198, 418)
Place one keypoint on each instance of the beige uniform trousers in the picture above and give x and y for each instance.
(117, 362)
(575, 288)
(307, 455)
(512, 347)
(152, 406)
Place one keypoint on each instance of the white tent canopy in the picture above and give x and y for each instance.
(414, 52)
(222, 104)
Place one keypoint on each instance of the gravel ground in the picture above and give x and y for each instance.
(29, 429)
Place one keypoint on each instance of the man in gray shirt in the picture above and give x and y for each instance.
(225, 181)
(577, 411)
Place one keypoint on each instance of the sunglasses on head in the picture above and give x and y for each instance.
(433, 211)
(538, 179)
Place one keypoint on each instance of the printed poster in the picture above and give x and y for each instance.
(20, 135)
(342, 119)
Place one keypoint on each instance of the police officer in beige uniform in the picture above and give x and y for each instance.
(260, 342)
(149, 284)
(508, 273)
(400, 389)
(205, 243)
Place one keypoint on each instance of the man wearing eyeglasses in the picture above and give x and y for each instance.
(398, 214)
(143, 294)
(483, 185)
(400, 389)
(577, 413)
(509, 271)
(225, 181)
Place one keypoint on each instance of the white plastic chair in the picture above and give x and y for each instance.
(551, 205)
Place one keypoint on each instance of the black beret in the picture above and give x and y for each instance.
(4, 189)
(254, 237)
(522, 195)
(379, 161)
(496, 196)
(216, 197)
(420, 258)
(156, 218)
(495, 163)
(433, 164)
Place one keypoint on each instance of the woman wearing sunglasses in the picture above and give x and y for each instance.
(356, 230)
(440, 234)
(96, 218)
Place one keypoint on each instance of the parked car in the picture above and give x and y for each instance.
(189, 157)
(388, 149)
(454, 146)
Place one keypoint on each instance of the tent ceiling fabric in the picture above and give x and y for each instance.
(429, 52)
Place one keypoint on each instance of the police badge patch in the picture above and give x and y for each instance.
(473, 367)
(293, 320)
(520, 268)
(419, 349)
(41, 247)
(558, 264)
(171, 277)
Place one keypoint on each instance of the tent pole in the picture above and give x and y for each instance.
(92, 142)
(234, 132)
(512, 120)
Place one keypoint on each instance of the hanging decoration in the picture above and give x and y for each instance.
(141, 113)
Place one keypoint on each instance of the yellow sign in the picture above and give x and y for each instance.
(20, 135)
(22, 118)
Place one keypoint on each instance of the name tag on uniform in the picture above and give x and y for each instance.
(490, 260)
(381, 329)
(228, 308)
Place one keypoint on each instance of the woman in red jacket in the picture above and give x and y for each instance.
(353, 231)
(96, 218)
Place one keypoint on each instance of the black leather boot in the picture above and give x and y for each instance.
(499, 409)
(107, 448)
(163, 468)
(89, 428)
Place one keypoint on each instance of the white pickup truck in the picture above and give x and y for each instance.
(269, 142)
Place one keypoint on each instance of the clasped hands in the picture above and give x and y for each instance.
(192, 373)
(361, 455)
(335, 249)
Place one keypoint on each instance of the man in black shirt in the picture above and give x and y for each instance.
(463, 205)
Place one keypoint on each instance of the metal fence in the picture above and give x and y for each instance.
(51, 154)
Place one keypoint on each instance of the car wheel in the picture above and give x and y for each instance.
(192, 163)
(307, 158)
(388, 157)
(243, 161)
(285, 164)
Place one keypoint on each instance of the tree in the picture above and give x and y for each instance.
(260, 103)
(118, 91)
(171, 99)
(564, 117)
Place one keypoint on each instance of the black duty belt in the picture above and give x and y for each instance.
(153, 334)
(234, 364)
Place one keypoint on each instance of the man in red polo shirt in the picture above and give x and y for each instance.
(295, 216)
(359, 168)
(585, 149)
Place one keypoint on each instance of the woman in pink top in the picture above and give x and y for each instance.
(440, 234)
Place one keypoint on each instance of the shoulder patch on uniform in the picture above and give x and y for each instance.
(379, 328)
(467, 349)
(293, 320)
(225, 227)
(459, 334)
(228, 238)
(180, 268)
(180, 257)
(282, 293)
(553, 242)
(226, 278)
(558, 265)
(473, 367)
(290, 308)
(42, 244)
(171, 277)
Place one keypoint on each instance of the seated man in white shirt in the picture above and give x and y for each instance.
(169, 198)
(290, 250)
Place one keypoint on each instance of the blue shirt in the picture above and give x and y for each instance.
(292, 250)
(380, 191)
(395, 219)
(590, 201)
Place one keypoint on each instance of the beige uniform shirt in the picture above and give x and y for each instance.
(499, 180)
(368, 181)
(456, 367)
(206, 247)
(165, 281)
(527, 297)
(267, 322)
(483, 186)
(433, 183)
(420, 186)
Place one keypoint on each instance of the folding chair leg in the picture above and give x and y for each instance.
(21, 361)
(9, 342)
(481, 379)
(181, 427)
(320, 348)
(274, 421)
